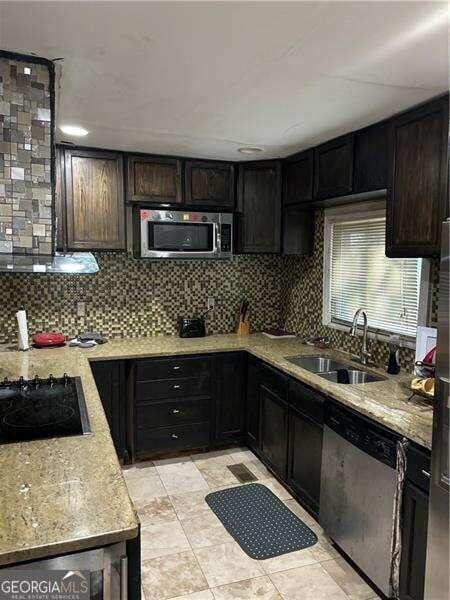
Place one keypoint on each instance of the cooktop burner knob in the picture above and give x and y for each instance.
(66, 379)
(22, 382)
(36, 381)
(51, 380)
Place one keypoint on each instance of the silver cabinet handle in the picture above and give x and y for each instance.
(426, 473)
(176, 387)
(123, 578)
(176, 368)
(175, 411)
(174, 435)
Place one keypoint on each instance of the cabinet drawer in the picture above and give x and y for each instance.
(171, 439)
(418, 467)
(176, 412)
(173, 368)
(171, 388)
(274, 380)
(307, 401)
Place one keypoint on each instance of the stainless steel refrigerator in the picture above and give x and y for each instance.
(437, 567)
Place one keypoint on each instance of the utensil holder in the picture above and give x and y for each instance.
(243, 327)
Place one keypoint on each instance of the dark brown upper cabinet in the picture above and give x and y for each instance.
(298, 178)
(209, 184)
(259, 207)
(298, 230)
(417, 183)
(333, 168)
(154, 179)
(94, 203)
(371, 158)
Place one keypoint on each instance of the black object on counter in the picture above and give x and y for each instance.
(191, 327)
(393, 367)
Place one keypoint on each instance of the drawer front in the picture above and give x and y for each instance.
(172, 439)
(173, 368)
(275, 381)
(418, 467)
(171, 388)
(307, 401)
(175, 412)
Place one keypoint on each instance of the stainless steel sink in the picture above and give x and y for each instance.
(351, 376)
(316, 364)
(334, 370)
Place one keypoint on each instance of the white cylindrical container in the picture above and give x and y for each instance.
(21, 317)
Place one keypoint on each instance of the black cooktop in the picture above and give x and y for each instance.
(42, 408)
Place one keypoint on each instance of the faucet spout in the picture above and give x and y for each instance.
(354, 333)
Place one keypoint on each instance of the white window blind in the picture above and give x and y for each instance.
(388, 289)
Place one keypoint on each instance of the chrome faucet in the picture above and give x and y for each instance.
(354, 333)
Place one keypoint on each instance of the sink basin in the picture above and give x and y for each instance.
(333, 370)
(316, 364)
(348, 376)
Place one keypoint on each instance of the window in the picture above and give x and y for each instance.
(357, 274)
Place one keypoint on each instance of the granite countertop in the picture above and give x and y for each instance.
(66, 494)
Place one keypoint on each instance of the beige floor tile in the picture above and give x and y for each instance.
(205, 530)
(324, 550)
(291, 560)
(144, 486)
(190, 504)
(160, 539)
(218, 458)
(311, 582)
(226, 563)
(241, 455)
(260, 588)
(180, 476)
(218, 476)
(258, 469)
(205, 595)
(157, 510)
(171, 576)
(348, 579)
(137, 468)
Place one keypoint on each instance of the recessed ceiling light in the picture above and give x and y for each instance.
(74, 130)
(249, 150)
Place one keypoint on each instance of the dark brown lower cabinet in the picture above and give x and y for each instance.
(414, 542)
(110, 380)
(274, 429)
(229, 397)
(305, 458)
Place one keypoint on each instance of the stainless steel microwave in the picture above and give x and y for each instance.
(184, 234)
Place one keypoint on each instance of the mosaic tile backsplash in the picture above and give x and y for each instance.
(136, 298)
(303, 303)
(25, 158)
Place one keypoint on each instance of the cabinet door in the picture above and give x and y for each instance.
(259, 207)
(95, 210)
(154, 179)
(417, 184)
(414, 543)
(298, 178)
(305, 458)
(274, 425)
(370, 161)
(298, 230)
(110, 381)
(230, 397)
(252, 405)
(209, 184)
(333, 168)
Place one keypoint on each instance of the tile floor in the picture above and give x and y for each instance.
(188, 555)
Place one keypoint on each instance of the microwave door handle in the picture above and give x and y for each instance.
(216, 237)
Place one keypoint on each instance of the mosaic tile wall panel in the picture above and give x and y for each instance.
(302, 303)
(25, 156)
(136, 298)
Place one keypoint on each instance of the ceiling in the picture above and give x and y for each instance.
(206, 78)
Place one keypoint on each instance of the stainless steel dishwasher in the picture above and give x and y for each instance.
(357, 497)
